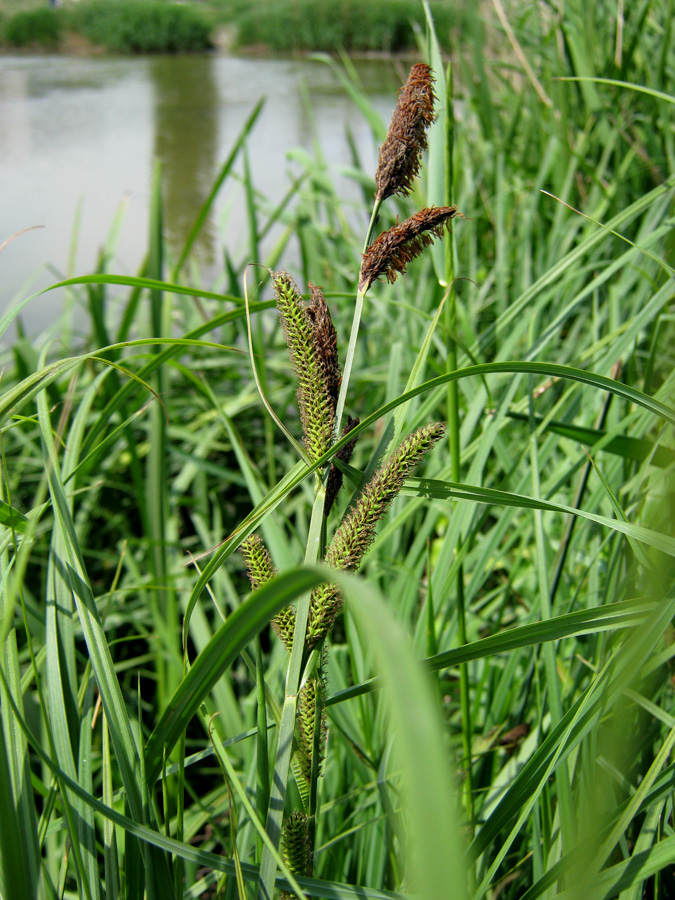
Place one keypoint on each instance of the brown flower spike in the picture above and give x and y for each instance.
(399, 159)
(325, 341)
(390, 252)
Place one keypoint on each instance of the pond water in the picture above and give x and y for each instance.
(79, 136)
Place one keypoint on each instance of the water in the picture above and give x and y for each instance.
(79, 136)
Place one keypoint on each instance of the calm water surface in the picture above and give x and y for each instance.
(79, 136)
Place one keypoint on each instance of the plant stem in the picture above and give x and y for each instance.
(279, 781)
(356, 322)
(454, 441)
(312, 554)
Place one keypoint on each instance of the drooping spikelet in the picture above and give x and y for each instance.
(335, 478)
(356, 532)
(399, 158)
(315, 375)
(284, 625)
(295, 847)
(391, 251)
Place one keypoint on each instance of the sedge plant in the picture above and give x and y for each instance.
(312, 344)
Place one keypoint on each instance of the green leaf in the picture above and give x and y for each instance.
(223, 648)
(637, 449)
(448, 490)
(12, 518)
(434, 844)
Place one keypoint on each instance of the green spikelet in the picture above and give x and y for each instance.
(259, 567)
(306, 330)
(284, 625)
(311, 706)
(324, 607)
(356, 532)
(295, 847)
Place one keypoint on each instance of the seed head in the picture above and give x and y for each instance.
(311, 706)
(356, 532)
(390, 252)
(325, 341)
(399, 158)
(260, 570)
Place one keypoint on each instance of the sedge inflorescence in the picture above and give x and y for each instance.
(312, 344)
(390, 252)
(399, 158)
(398, 166)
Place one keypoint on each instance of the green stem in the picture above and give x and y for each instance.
(356, 322)
(455, 468)
(316, 748)
(282, 763)
(275, 812)
(263, 780)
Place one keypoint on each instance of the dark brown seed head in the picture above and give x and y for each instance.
(325, 340)
(399, 159)
(390, 252)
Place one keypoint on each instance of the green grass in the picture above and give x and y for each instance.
(151, 26)
(120, 26)
(148, 26)
(34, 27)
(124, 459)
(388, 25)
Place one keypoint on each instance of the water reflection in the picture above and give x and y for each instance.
(186, 109)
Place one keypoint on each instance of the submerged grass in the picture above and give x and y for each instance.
(528, 561)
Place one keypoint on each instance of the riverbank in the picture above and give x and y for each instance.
(282, 26)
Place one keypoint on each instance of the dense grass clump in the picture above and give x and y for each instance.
(142, 26)
(388, 25)
(35, 27)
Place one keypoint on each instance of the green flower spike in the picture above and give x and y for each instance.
(312, 347)
(260, 569)
(356, 532)
(311, 704)
(295, 847)
(259, 566)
